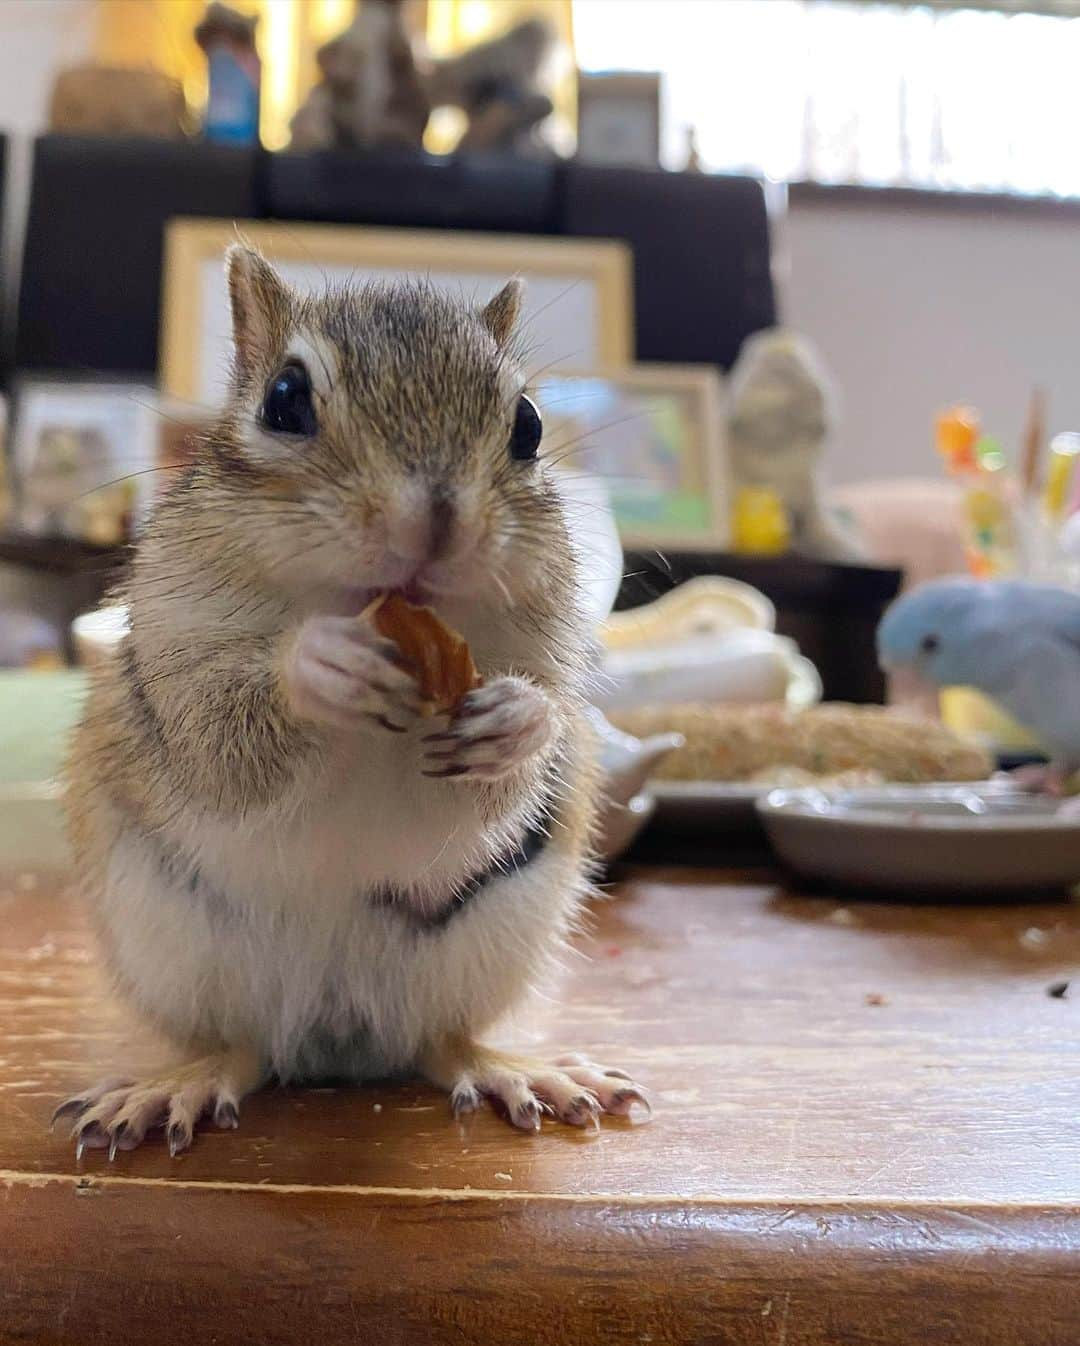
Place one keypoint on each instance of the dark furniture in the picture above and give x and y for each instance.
(91, 279)
(830, 610)
(420, 191)
(702, 279)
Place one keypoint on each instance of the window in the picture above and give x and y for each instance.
(861, 93)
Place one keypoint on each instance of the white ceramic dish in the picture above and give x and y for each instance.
(971, 839)
(96, 634)
(721, 805)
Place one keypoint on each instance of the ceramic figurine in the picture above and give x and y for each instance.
(370, 92)
(498, 84)
(627, 763)
(779, 421)
(234, 74)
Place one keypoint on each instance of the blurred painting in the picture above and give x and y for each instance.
(577, 307)
(652, 434)
(83, 458)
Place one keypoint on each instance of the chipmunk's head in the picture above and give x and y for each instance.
(379, 436)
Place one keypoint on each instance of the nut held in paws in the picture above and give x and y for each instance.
(444, 666)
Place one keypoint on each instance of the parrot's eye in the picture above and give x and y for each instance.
(527, 432)
(287, 408)
(930, 644)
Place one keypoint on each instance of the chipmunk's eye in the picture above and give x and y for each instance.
(930, 644)
(287, 408)
(526, 434)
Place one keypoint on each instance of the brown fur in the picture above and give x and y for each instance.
(193, 737)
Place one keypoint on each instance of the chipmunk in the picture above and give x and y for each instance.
(292, 876)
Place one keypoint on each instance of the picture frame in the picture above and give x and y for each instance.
(619, 118)
(654, 435)
(578, 308)
(82, 457)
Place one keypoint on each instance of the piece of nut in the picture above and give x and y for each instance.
(444, 666)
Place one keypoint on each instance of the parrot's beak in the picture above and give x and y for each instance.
(910, 688)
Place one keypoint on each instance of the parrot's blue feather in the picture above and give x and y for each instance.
(1017, 641)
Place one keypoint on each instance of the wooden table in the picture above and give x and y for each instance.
(865, 1132)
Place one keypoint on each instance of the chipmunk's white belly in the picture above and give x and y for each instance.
(368, 820)
(331, 988)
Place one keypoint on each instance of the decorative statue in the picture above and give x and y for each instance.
(497, 85)
(370, 92)
(780, 409)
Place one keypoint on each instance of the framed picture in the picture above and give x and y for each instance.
(578, 301)
(81, 457)
(619, 118)
(653, 434)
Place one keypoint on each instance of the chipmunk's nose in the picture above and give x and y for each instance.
(420, 527)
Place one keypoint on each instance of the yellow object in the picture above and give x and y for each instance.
(160, 33)
(760, 524)
(985, 509)
(979, 464)
(44, 661)
(972, 714)
(956, 432)
(1059, 474)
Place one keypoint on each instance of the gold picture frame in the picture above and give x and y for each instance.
(654, 434)
(579, 292)
(619, 118)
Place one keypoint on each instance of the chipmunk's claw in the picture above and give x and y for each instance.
(89, 1135)
(494, 729)
(575, 1091)
(178, 1136)
(584, 1110)
(226, 1115)
(71, 1107)
(623, 1100)
(464, 1100)
(119, 1115)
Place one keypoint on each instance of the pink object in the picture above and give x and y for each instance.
(914, 523)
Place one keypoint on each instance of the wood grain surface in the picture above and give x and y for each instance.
(865, 1131)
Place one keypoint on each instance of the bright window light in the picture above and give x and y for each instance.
(835, 92)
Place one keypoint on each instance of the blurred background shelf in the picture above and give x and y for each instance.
(831, 610)
(60, 555)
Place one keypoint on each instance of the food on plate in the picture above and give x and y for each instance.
(772, 745)
(444, 667)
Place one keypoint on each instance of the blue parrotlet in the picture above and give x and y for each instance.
(1017, 641)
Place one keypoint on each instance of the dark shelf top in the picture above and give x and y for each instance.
(59, 555)
(786, 579)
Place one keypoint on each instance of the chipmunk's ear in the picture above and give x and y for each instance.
(500, 315)
(261, 303)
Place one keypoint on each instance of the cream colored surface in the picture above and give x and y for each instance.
(707, 605)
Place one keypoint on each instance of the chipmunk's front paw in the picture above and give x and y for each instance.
(117, 1114)
(495, 729)
(339, 671)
